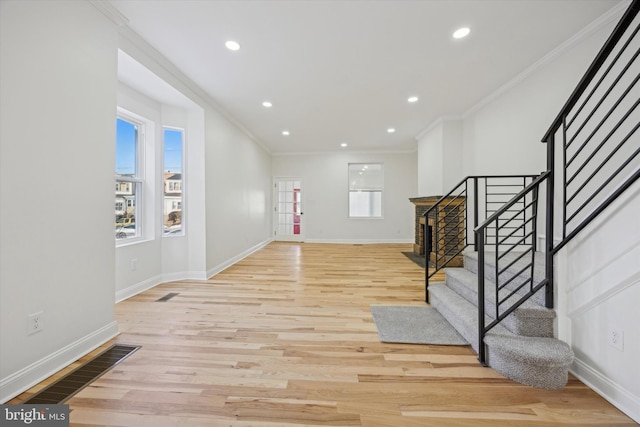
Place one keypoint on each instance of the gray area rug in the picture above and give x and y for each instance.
(414, 325)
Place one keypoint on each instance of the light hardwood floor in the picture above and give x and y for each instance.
(285, 337)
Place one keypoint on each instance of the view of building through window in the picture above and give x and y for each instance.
(128, 180)
(172, 181)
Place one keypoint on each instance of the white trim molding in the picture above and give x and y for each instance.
(360, 241)
(228, 263)
(110, 12)
(139, 287)
(31, 375)
(618, 396)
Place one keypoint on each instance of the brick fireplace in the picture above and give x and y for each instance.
(453, 214)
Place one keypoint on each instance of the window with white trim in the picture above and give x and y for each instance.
(129, 178)
(366, 182)
(173, 176)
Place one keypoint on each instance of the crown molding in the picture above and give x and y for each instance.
(613, 15)
(344, 151)
(437, 122)
(110, 12)
(140, 50)
(607, 18)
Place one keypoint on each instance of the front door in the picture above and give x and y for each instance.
(288, 210)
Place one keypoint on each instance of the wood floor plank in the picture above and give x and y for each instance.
(285, 337)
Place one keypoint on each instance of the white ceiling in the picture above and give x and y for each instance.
(342, 70)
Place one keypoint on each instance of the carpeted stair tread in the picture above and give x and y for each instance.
(530, 319)
(462, 315)
(536, 361)
(471, 264)
(470, 281)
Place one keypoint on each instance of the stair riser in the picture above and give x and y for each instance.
(471, 264)
(468, 333)
(536, 376)
(521, 322)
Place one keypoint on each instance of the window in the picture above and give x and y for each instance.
(172, 172)
(365, 190)
(129, 179)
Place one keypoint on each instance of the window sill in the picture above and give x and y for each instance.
(130, 242)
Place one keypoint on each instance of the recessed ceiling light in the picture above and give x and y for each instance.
(461, 32)
(267, 104)
(344, 144)
(286, 133)
(232, 45)
(412, 99)
(391, 130)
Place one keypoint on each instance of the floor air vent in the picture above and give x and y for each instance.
(78, 379)
(167, 297)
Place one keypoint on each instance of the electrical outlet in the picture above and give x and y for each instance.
(134, 264)
(35, 323)
(616, 339)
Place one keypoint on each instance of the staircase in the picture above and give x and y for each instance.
(502, 300)
(521, 347)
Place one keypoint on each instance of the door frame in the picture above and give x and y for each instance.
(275, 224)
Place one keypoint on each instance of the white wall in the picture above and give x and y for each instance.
(600, 289)
(58, 85)
(325, 196)
(453, 134)
(238, 193)
(503, 135)
(440, 158)
(431, 162)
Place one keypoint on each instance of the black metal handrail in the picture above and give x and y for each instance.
(447, 232)
(518, 217)
(598, 155)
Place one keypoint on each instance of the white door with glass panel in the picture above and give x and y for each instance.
(288, 210)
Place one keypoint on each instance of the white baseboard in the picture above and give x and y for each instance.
(184, 275)
(140, 287)
(228, 263)
(130, 291)
(360, 241)
(618, 396)
(31, 375)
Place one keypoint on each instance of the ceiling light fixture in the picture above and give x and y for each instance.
(412, 99)
(232, 45)
(461, 32)
(344, 144)
(267, 104)
(391, 130)
(286, 133)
